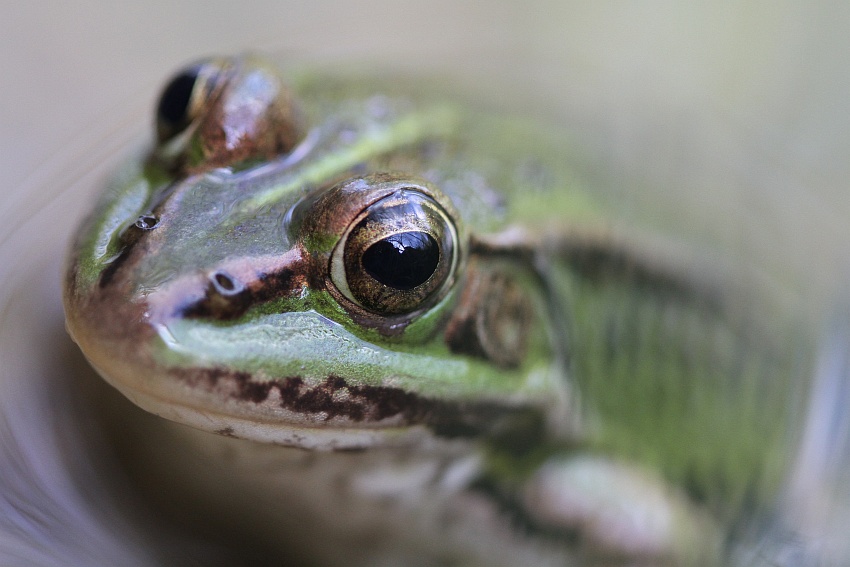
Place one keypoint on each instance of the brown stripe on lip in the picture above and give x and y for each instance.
(335, 399)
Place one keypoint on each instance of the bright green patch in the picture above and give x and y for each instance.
(685, 388)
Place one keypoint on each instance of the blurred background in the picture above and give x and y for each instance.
(734, 108)
(727, 120)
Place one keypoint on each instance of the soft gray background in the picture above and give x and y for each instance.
(727, 120)
(738, 109)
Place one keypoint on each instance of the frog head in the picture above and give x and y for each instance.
(307, 281)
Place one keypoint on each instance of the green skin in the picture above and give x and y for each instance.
(629, 356)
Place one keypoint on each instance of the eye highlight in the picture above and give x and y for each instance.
(398, 254)
(402, 261)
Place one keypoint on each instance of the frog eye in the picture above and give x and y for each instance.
(397, 255)
(184, 97)
(226, 112)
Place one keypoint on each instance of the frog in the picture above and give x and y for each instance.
(410, 335)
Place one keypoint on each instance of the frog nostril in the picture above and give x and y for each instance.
(147, 222)
(225, 285)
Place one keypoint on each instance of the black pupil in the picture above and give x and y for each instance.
(402, 261)
(175, 98)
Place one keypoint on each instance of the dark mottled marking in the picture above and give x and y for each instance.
(254, 391)
(603, 263)
(227, 432)
(276, 284)
(607, 261)
(335, 398)
(108, 273)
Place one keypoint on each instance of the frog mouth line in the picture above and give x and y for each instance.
(334, 402)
